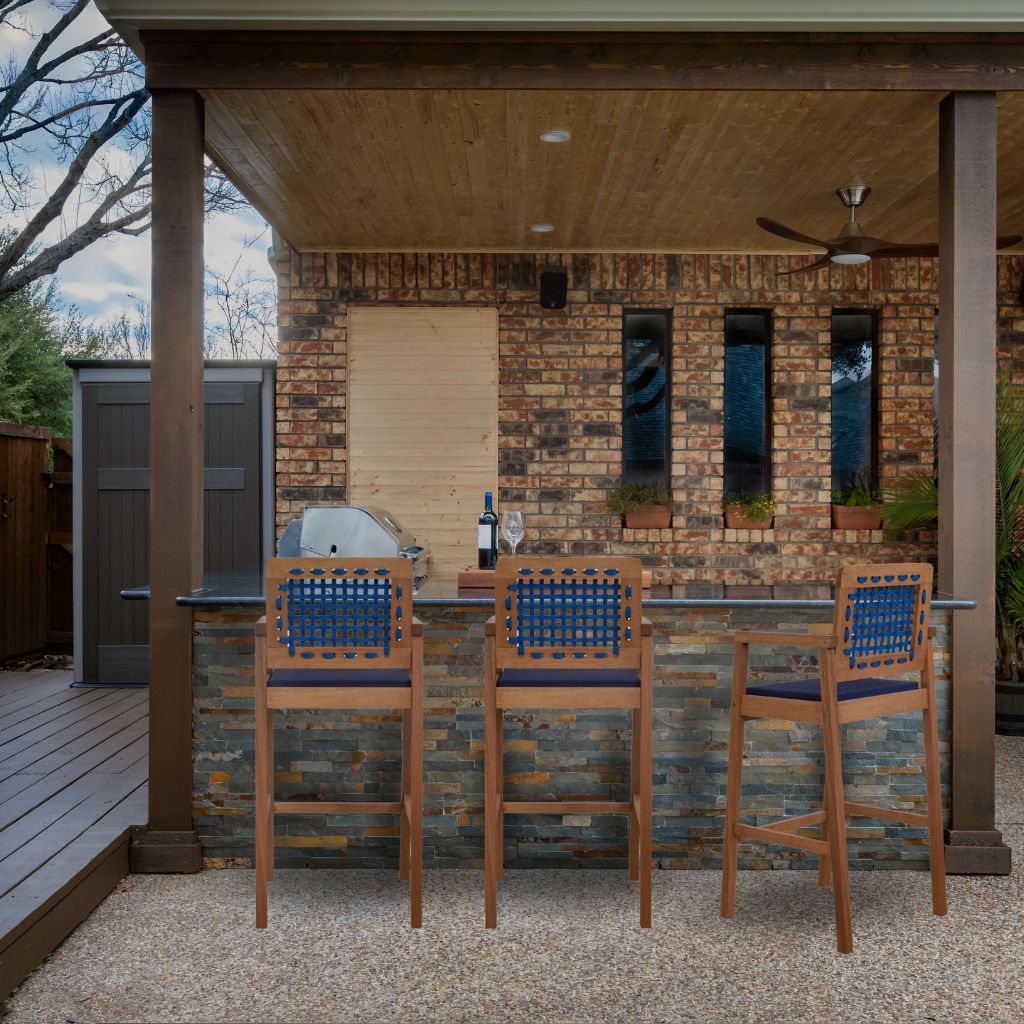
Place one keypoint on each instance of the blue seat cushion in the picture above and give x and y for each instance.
(569, 677)
(852, 689)
(339, 677)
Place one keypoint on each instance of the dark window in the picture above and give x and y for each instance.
(646, 353)
(854, 399)
(747, 401)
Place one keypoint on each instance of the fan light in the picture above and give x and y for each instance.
(542, 229)
(555, 135)
(851, 257)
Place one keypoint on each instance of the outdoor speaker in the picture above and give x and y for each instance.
(553, 286)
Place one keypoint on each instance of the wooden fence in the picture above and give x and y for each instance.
(35, 540)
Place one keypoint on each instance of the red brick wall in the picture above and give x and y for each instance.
(560, 392)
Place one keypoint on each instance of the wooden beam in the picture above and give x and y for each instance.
(508, 60)
(967, 388)
(176, 473)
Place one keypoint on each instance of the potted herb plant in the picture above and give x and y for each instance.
(913, 503)
(857, 506)
(643, 506)
(749, 511)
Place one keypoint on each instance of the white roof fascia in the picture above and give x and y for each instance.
(574, 15)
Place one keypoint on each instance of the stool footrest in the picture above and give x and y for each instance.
(798, 822)
(329, 807)
(565, 807)
(769, 835)
(885, 814)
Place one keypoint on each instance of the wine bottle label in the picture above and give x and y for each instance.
(483, 536)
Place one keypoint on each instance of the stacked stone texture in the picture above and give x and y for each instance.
(572, 755)
(560, 392)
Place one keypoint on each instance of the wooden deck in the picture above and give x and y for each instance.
(73, 772)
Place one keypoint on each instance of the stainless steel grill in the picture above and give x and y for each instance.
(352, 531)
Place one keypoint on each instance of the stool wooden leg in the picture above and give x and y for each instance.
(645, 784)
(268, 719)
(492, 789)
(734, 783)
(499, 740)
(415, 773)
(262, 798)
(824, 871)
(634, 779)
(934, 789)
(404, 847)
(836, 823)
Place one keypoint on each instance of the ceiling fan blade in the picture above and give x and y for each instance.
(825, 261)
(881, 249)
(794, 236)
(892, 249)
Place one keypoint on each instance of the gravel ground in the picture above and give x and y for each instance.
(568, 948)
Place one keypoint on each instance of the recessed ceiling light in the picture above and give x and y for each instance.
(555, 135)
(542, 229)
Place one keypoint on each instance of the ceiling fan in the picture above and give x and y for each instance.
(851, 245)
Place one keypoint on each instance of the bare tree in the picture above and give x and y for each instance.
(241, 320)
(127, 335)
(85, 103)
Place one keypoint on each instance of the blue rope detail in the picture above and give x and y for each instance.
(398, 591)
(328, 613)
(525, 572)
(295, 572)
(362, 572)
(611, 572)
(398, 633)
(317, 572)
(915, 576)
(565, 613)
(328, 655)
(339, 572)
(382, 572)
(568, 572)
(277, 603)
(881, 622)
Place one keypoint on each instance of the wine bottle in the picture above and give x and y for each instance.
(487, 535)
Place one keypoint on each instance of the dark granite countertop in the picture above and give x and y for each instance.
(242, 588)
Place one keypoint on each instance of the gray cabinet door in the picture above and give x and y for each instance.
(115, 511)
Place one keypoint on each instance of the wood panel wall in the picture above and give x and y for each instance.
(423, 421)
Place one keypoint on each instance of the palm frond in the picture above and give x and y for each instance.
(911, 503)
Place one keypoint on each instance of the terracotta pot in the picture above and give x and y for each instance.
(736, 518)
(653, 517)
(857, 517)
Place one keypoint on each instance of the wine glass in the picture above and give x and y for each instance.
(512, 529)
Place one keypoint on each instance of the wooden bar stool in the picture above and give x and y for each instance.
(568, 633)
(341, 635)
(880, 634)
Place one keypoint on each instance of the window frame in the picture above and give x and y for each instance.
(876, 423)
(633, 475)
(768, 313)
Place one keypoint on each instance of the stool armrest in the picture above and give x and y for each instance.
(489, 627)
(261, 626)
(747, 637)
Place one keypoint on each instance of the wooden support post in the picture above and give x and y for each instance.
(967, 388)
(176, 475)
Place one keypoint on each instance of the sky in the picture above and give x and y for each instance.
(110, 274)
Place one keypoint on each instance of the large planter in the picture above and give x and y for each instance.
(652, 517)
(736, 518)
(857, 517)
(1009, 708)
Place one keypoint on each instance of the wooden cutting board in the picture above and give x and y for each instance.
(472, 578)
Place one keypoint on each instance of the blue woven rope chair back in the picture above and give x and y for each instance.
(569, 613)
(339, 612)
(881, 619)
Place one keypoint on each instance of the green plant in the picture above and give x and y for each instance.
(629, 497)
(914, 503)
(858, 493)
(755, 506)
(855, 497)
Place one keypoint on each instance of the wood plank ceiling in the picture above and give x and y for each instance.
(644, 171)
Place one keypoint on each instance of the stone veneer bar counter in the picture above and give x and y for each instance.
(582, 755)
